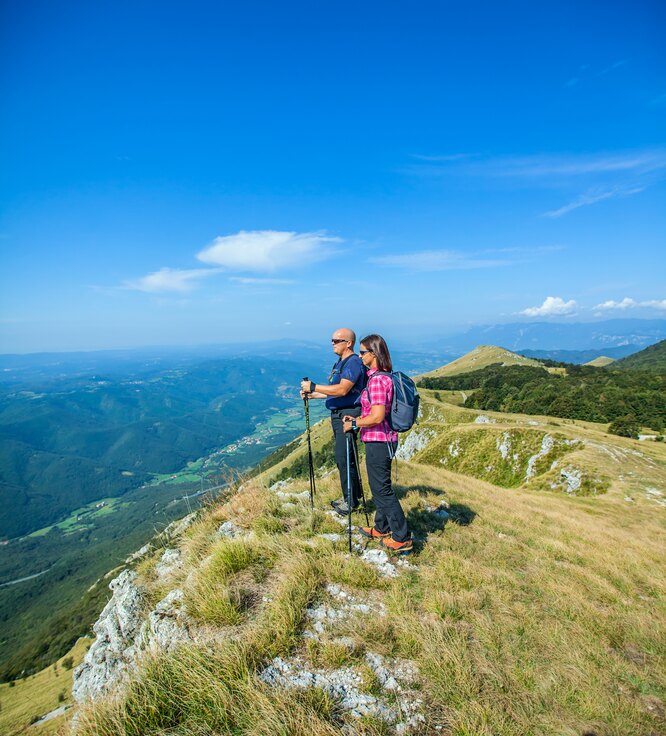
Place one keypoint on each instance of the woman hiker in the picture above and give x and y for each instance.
(380, 445)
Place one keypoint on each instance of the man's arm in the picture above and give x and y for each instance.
(324, 390)
(316, 395)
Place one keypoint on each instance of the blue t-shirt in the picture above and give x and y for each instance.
(352, 369)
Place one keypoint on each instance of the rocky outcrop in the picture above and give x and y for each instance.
(125, 629)
(169, 564)
(415, 441)
(113, 652)
(393, 701)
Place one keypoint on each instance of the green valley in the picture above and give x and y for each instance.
(140, 451)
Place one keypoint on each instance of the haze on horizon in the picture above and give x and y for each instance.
(210, 173)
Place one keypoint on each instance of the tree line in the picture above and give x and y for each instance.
(627, 399)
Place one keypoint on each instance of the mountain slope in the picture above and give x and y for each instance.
(516, 614)
(652, 358)
(601, 362)
(480, 357)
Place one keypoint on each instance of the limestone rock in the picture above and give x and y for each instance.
(230, 530)
(113, 650)
(170, 563)
(415, 441)
(167, 624)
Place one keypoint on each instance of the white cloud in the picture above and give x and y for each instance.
(267, 250)
(436, 260)
(170, 279)
(626, 303)
(629, 303)
(246, 280)
(592, 198)
(552, 306)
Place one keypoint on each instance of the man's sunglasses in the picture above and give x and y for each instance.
(335, 342)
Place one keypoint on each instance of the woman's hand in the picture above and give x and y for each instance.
(347, 423)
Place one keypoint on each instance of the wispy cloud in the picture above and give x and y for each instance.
(552, 306)
(437, 260)
(611, 68)
(629, 303)
(445, 158)
(268, 250)
(589, 198)
(247, 281)
(586, 73)
(170, 279)
(578, 165)
(543, 166)
(599, 176)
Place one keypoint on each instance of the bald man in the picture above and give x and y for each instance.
(343, 397)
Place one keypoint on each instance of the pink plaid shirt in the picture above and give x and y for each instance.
(379, 391)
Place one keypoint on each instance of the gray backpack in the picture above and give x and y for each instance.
(405, 404)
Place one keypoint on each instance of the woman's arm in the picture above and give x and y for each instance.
(375, 417)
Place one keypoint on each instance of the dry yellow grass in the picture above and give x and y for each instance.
(530, 613)
(481, 357)
(38, 695)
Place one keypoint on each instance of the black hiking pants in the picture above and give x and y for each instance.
(389, 516)
(341, 452)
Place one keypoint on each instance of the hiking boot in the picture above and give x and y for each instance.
(372, 533)
(397, 548)
(343, 509)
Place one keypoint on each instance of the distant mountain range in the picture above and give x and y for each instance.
(581, 356)
(597, 338)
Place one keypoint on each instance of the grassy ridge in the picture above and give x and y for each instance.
(481, 357)
(523, 618)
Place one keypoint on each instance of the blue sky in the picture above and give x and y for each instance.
(183, 173)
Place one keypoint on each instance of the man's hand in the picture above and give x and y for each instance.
(305, 387)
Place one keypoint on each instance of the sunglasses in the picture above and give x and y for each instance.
(363, 352)
(335, 342)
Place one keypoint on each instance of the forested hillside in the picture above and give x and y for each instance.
(650, 359)
(583, 392)
(79, 440)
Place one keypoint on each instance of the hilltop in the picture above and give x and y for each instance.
(534, 602)
(480, 357)
(601, 362)
(652, 359)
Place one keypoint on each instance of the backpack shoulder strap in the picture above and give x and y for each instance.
(340, 364)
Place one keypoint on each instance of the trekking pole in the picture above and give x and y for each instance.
(360, 483)
(310, 461)
(349, 492)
